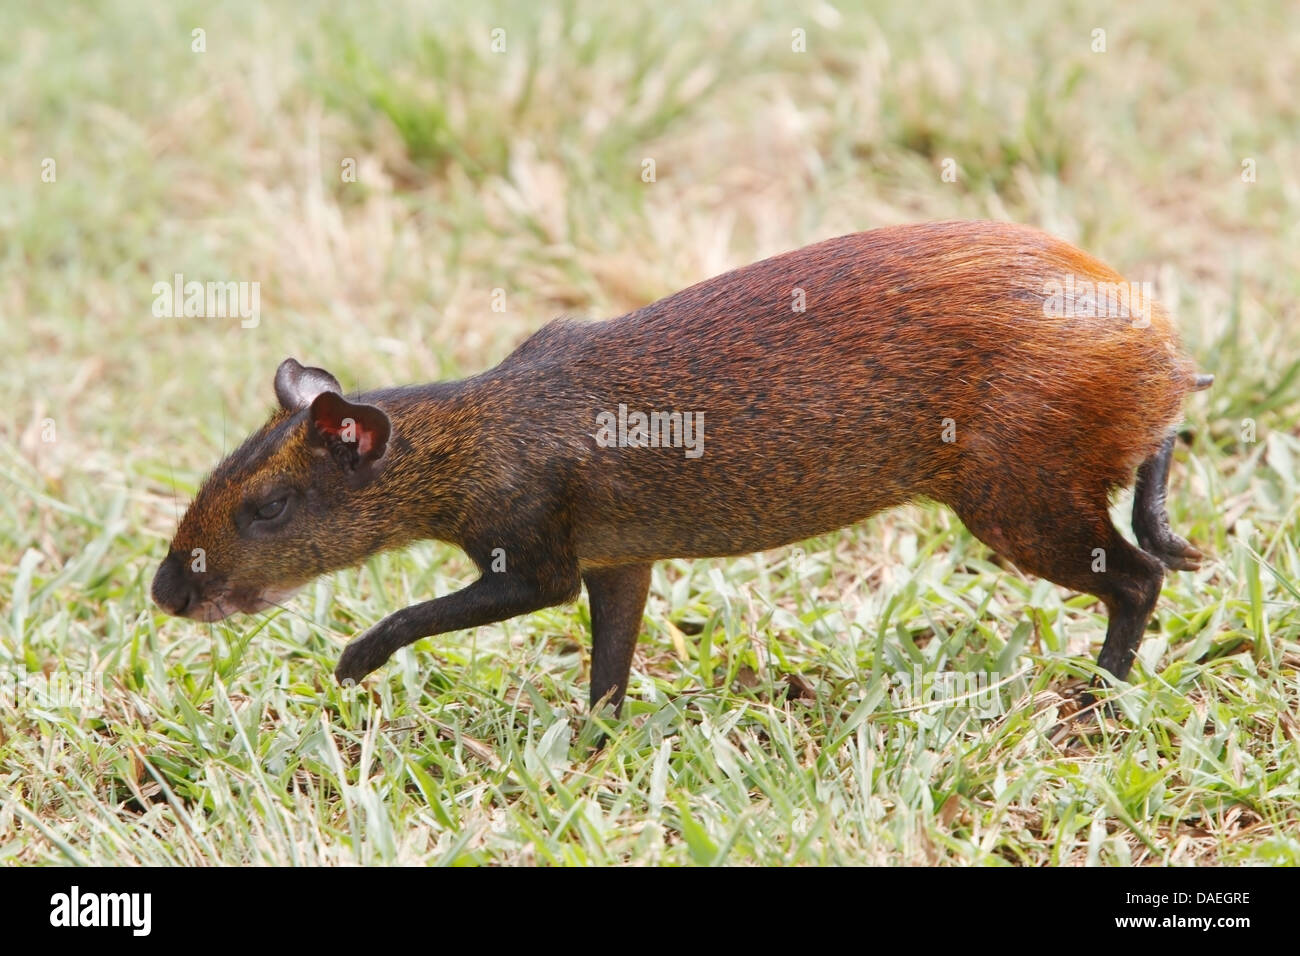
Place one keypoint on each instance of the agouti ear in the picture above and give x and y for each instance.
(355, 436)
(296, 386)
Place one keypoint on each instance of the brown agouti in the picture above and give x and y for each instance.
(987, 366)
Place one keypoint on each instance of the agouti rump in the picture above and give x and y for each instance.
(987, 366)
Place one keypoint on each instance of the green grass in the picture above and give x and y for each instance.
(522, 172)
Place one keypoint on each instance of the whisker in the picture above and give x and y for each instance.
(303, 617)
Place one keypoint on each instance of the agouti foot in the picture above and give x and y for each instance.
(1082, 714)
(347, 676)
(1177, 555)
(359, 659)
(1171, 550)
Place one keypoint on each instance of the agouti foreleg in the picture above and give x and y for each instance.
(496, 596)
(617, 597)
(1151, 521)
(1065, 535)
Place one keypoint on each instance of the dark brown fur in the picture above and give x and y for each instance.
(813, 420)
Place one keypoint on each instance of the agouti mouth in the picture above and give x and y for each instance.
(224, 603)
(208, 611)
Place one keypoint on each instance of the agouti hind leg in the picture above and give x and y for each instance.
(617, 597)
(1077, 547)
(1151, 521)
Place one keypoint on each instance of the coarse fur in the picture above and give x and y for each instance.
(834, 382)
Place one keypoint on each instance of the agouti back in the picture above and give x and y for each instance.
(987, 366)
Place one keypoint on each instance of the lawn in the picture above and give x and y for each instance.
(415, 187)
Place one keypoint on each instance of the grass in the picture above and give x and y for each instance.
(768, 720)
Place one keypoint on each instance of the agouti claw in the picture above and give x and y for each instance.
(1186, 559)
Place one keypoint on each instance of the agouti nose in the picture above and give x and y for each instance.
(173, 591)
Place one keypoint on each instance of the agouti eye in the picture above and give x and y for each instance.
(272, 509)
(267, 513)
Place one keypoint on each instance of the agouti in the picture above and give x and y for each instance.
(987, 366)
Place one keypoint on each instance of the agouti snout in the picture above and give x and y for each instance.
(987, 366)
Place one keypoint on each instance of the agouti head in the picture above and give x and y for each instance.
(283, 508)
